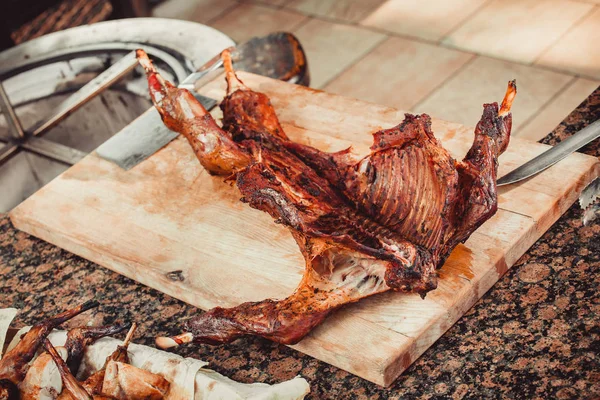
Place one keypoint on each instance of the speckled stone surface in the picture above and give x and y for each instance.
(535, 334)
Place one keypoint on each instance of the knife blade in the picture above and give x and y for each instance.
(143, 137)
(588, 201)
(553, 155)
(147, 134)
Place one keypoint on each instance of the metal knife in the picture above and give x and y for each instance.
(553, 155)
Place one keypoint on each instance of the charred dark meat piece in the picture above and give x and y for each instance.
(14, 364)
(93, 384)
(364, 225)
(79, 338)
(8, 390)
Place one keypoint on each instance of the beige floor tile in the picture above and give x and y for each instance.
(201, 11)
(561, 106)
(578, 51)
(399, 73)
(430, 22)
(272, 2)
(332, 47)
(518, 30)
(343, 10)
(484, 81)
(248, 20)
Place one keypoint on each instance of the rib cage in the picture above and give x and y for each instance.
(364, 226)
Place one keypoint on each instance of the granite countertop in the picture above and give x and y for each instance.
(535, 334)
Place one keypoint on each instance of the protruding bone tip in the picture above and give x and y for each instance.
(130, 334)
(173, 341)
(164, 343)
(144, 60)
(511, 92)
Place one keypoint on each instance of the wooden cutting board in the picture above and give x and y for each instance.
(169, 225)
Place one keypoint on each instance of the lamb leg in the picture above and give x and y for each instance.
(71, 385)
(479, 168)
(334, 276)
(182, 112)
(245, 107)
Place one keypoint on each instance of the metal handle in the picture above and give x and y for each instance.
(91, 89)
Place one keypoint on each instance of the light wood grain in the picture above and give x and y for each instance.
(168, 214)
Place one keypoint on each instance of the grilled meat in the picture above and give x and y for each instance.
(14, 364)
(366, 225)
(79, 338)
(93, 384)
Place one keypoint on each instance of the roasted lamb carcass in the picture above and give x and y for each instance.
(364, 225)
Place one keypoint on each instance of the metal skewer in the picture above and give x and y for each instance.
(86, 93)
(59, 152)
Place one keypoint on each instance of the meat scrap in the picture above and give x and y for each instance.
(15, 363)
(366, 225)
(75, 365)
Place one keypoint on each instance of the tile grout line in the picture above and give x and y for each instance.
(296, 27)
(426, 41)
(301, 24)
(437, 44)
(223, 14)
(571, 28)
(536, 66)
(266, 3)
(343, 70)
(584, 2)
(560, 91)
(463, 21)
(445, 81)
(239, 3)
